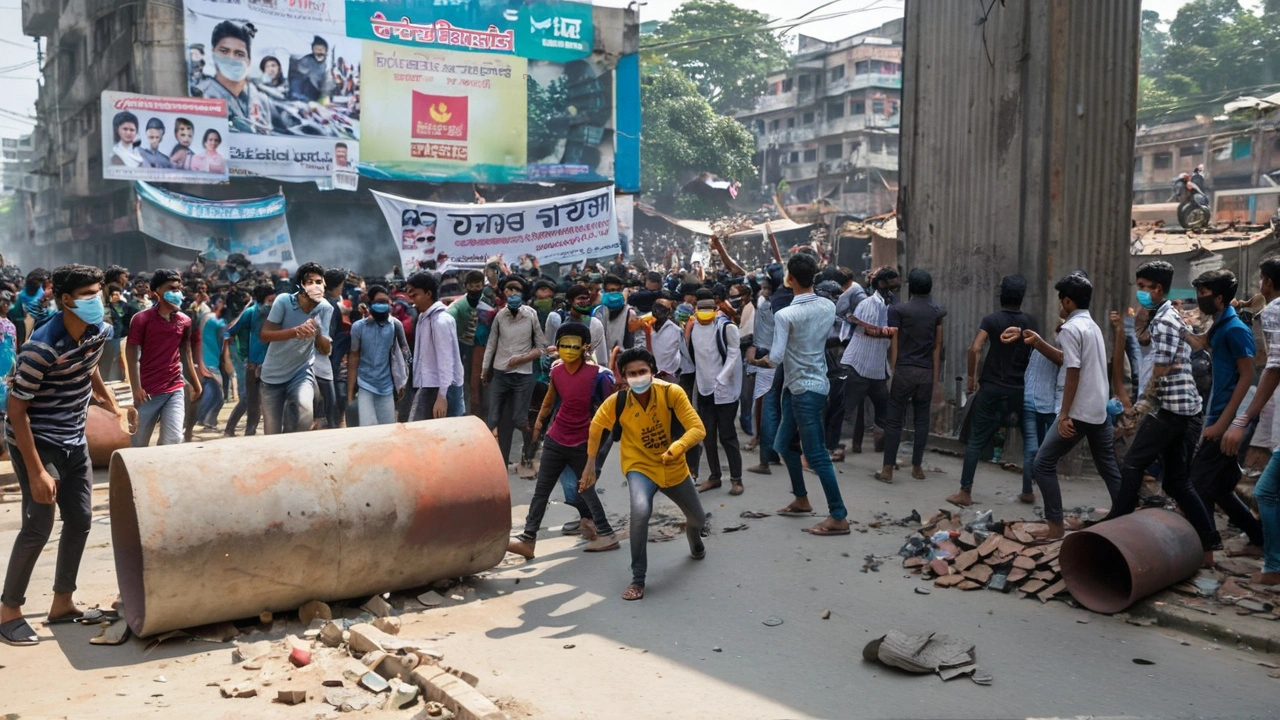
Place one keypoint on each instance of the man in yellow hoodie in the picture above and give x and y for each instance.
(651, 459)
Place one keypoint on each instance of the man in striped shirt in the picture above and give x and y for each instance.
(1173, 406)
(56, 373)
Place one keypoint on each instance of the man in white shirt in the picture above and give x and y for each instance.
(515, 342)
(578, 309)
(1083, 410)
(867, 355)
(437, 361)
(668, 342)
(713, 344)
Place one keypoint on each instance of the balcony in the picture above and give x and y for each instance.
(800, 171)
(784, 137)
(39, 17)
(769, 103)
(858, 123)
(864, 81)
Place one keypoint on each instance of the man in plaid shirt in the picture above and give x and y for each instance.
(1172, 408)
(1267, 491)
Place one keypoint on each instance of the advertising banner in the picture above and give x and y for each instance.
(290, 78)
(563, 229)
(163, 139)
(256, 228)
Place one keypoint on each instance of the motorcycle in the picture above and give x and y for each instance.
(1193, 205)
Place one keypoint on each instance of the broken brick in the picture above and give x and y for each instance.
(291, 697)
(377, 606)
(388, 625)
(948, 580)
(1017, 576)
(989, 546)
(967, 541)
(1023, 562)
(913, 562)
(979, 573)
(969, 585)
(940, 567)
(1052, 590)
(1031, 587)
(967, 559)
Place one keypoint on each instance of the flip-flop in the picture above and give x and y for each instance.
(796, 513)
(67, 619)
(824, 531)
(638, 593)
(93, 616)
(18, 633)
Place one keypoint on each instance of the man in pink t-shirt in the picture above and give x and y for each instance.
(158, 350)
(579, 388)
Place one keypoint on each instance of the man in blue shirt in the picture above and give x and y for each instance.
(373, 340)
(296, 330)
(799, 346)
(246, 329)
(1214, 474)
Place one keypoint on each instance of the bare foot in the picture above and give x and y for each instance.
(917, 472)
(520, 547)
(9, 613)
(830, 526)
(799, 506)
(885, 475)
(1053, 531)
(1028, 498)
(1208, 559)
(63, 607)
(962, 498)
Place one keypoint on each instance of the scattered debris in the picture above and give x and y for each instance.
(373, 682)
(922, 591)
(734, 528)
(377, 606)
(112, 634)
(1143, 661)
(239, 691)
(314, 610)
(388, 625)
(431, 598)
(772, 621)
(870, 564)
(300, 657)
(754, 514)
(826, 615)
(570, 646)
(291, 697)
(923, 653)
(984, 553)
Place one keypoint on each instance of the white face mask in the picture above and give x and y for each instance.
(230, 68)
(315, 292)
(640, 384)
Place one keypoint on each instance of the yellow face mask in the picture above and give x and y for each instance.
(706, 316)
(570, 353)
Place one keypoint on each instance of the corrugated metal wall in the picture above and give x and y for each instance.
(1017, 147)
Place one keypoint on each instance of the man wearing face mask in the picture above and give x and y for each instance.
(515, 342)
(620, 321)
(309, 77)
(866, 358)
(158, 351)
(53, 381)
(713, 345)
(437, 366)
(248, 109)
(374, 341)
(466, 316)
(297, 327)
(578, 309)
(1214, 473)
(668, 341)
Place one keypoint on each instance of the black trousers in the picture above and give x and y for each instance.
(1168, 437)
(1214, 477)
(689, 383)
(718, 419)
(911, 386)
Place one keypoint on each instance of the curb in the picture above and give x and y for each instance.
(1250, 633)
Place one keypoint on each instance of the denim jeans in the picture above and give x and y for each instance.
(1267, 494)
(991, 405)
(376, 409)
(770, 417)
(717, 418)
(240, 367)
(457, 402)
(1100, 437)
(70, 465)
(211, 399)
(1035, 428)
(802, 418)
(329, 401)
(1214, 476)
(556, 459)
(509, 394)
(249, 405)
(287, 406)
(1169, 437)
(643, 490)
(167, 411)
(424, 403)
(912, 385)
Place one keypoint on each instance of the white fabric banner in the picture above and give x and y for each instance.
(569, 228)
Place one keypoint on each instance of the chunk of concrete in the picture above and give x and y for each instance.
(291, 697)
(313, 610)
(402, 694)
(461, 699)
(251, 651)
(388, 625)
(238, 690)
(366, 638)
(377, 606)
(331, 634)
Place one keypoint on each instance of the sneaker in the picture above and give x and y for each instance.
(573, 527)
(604, 543)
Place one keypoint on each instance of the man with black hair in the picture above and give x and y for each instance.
(213, 348)
(713, 343)
(247, 328)
(1002, 379)
(652, 456)
(619, 320)
(578, 309)
(335, 402)
(515, 341)
(917, 362)
(466, 312)
(643, 299)
(437, 364)
(865, 359)
(1085, 393)
(574, 390)
(297, 326)
(1267, 491)
(158, 351)
(55, 377)
(378, 344)
(248, 108)
(1171, 405)
(1214, 473)
(799, 341)
(309, 77)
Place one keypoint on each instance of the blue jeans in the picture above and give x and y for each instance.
(770, 416)
(457, 405)
(802, 415)
(168, 411)
(287, 406)
(241, 368)
(1035, 427)
(210, 402)
(1267, 493)
(375, 409)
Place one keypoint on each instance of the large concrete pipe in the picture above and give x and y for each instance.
(1112, 565)
(228, 529)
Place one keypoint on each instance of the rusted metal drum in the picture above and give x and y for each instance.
(106, 433)
(228, 529)
(1113, 564)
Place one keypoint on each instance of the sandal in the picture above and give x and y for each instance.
(93, 615)
(18, 633)
(634, 591)
(793, 511)
(837, 455)
(825, 530)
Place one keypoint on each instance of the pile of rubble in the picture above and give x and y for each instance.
(1227, 587)
(985, 553)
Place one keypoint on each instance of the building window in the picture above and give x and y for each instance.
(811, 155)
(876, 145)
(862, 67)
(773, 126)
(68, 172)
(795, 156)
(791, 122)
(1241, 148)
(1137, 163)
(885, 68)
(833, 151)
(835, 73)
(859, 107)
(788, 85)
(1193, 150)
(877, 106)
(1163, 161)
(835, 110)
(891, 144)
(805, 82)
(95, 165)
(807, 119)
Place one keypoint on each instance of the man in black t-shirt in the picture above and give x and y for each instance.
(1002, 378)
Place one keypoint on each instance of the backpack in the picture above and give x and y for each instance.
(722, 337)
(623, 396)
(628, 338)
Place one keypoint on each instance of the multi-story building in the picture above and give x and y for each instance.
(1236, 155)
(828, 122)
(18, 188)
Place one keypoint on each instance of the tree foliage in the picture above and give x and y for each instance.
(683, 135)
(1213, 51)
(723, 49)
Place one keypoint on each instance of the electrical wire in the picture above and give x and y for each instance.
(788, 24)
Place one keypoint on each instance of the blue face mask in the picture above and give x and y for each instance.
(1144, 299)
(380, 308)
(174, 298)
(514, 302)
(640, 384)
(90, 310)
(613, 300)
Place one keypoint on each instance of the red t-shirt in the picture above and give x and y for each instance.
(159, 344)
(577, 393)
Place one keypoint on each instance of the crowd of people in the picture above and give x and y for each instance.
(665, 365)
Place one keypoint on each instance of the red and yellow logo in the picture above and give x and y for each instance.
(439, 117)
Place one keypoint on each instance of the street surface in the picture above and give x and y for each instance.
(696, 645)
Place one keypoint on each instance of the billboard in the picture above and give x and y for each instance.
(160, 139)
(256, 228)
(561, 229)
(290, 77)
